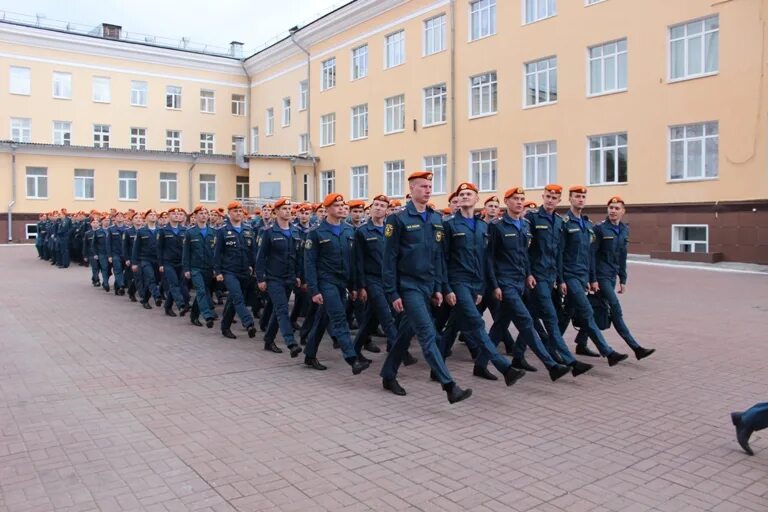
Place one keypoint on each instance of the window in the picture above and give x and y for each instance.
(328, 130)
(303, 143)
(438, 166)
(435, 103)
(101, 133)
(270, 121)
(238, 140)
(62, 133)
(394, 114)
(360, 182)
(139, 138)
(102, 89)
(208, 188)
(540, 164)
(242, 187)
(169, 186)
(30, 231)
(359, 123)
(286, 112)
(536, 10)
(255, 140)
(328, 74)
(173, 97)
(207, 101)
(327, 182)
(303, 95)
(173, 141)
(693, 238)
(305, 186)
(394, 178)
(139, 93)
(21, 129)
(20, 80)
(434, 35)
(608, 67)
(394, 49)
(62, 85)
(360, 62)
(483, 94)
(608, 159)
(693, 151)
(541, 82)
(483, 169)
(238, 104)
(694, 48)
(127, 185)
(37, 183)
(482, 19)
(84, 184)
(207, 143)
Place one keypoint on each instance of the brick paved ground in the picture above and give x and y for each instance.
(104, 406)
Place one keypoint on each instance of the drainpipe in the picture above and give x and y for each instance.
(249, 138)
(310, 153)
(13, 192)
(189, 181)
(452, 10)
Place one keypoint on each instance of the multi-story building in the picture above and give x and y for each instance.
(659, 102)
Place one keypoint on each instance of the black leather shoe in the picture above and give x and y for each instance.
(456, 394)
(433, 376)
(558, 371)
(362, 358)
(483, 373)
(195, 321)
(312, 362)
(615, 358)
(170, 312)
(184, 310)
(408, 359)
(512, 375)
(117, 292)
(209, 323)
(122, 291)
(146, 305)
(583, 350)
(370, 347)
(271, 347)
(642, 353)
(251, 332)
(522, 364)
(132, 298)
(158, 302)
(295, 350)
(106, 288)
(227, 333)
(742, 434)
(577, 368)
(359, 366)
(393, 386)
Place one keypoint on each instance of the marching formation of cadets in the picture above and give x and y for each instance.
(395, 271)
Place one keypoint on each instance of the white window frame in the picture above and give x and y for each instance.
(547, 157)
(61, 85)
(139, 93)
(482, 19)
(62, 133)
(618, 53)
(394, 114)
(30, 231)
(358, 125)
(394, 49)
(254, 140)
(286, 119)
(173, 141)
(270, 122)
(169, 182)
(328, 74)
(602, 148)
(328, 129)
(433, 40)
(685, 40)
(238, 105)
(99, 140)
(101, 89)
(127, 180)
(242, 188)
(487, 90)
(303, 95)
(438, 166)
(359, 62)
(478, 170)
(235, 140)
(37, 179)
(394, 178)
(549, 7)
(678, 243)
(207, 143)
(21, 129)
(83, 182)
(433, 101)
(686, 142)
(327, 182)
(303, 143)
(173, 93)
(20, 80)
(208, 186)
(207, 101)
(358, 182)
(540, 76)
(139, 138)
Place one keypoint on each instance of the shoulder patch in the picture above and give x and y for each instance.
(308, 244)
(389, 230)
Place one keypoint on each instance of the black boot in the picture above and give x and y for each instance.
(455, 393)
(227, 333)
(393, 386)
(577, 368)
(558, 371)
(370, 347)
(295, 350)
(642, 353)
(483, 373)
(312, 362)
(270, 346)
(615, 358)
(584, 350)
(521, 364)
(359, 366)
(408, 359)
(512, 375)
(195, 321)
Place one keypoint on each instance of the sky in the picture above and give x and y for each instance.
(253, 22)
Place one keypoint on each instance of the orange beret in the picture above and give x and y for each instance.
(492, 199)
(163, 215)
(130, 215)
(395, 203)
(529, 204)
(581, 189)
(382, 198)
(282, 201)
(447, 211)
(614, 200)
(175, 209)
(331, 199)
(234, 205)
(466, 186)
(552, 187)
(420, 174)
(450, 197)
(220, 210)
(356, 203)
(64, 211)
(199, 208)
(105, 214)
(514, 190)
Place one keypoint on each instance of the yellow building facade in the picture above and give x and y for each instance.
(659, 102)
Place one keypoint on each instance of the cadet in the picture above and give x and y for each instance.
(612, 238)
(42, 231)
(88, 253)
(197, 264)
(579, 272)
(116, 252)
(510, 274)
(144, 257)
(132, 279)
(102, 251)
(233, 259)
(328, 268)
(64, 235)
(170, 242)
(413, 275)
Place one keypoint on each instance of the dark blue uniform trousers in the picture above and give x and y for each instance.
(117, 268)
(278, 293)
(608, 292)
(176, 287)
(333, 309)
(202, 281)
(540, 299)
(149, 274)
(377, 311)
(580, 308)
(240, 288)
